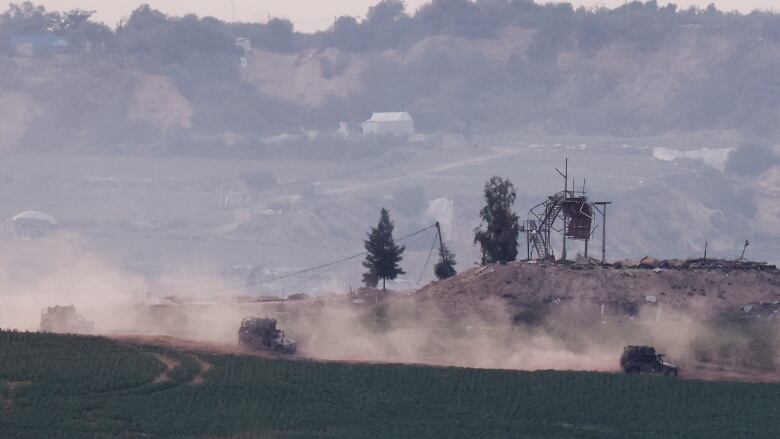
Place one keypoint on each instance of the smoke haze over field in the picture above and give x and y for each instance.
(572, 336)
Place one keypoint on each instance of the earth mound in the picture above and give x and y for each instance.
(527, 286)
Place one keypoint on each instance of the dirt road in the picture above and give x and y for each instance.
(707, 372)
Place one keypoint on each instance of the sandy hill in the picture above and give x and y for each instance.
(529, 287)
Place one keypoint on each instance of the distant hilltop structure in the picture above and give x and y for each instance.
(38, 45)
(245, 44)
(33, 224)
(395, 124)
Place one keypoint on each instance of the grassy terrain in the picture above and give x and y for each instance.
(95, 388)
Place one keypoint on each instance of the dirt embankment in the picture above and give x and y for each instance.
(522, 285)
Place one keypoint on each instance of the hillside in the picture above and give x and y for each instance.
(79, 387)
(624, 290)
(713, 319)
(183, 85)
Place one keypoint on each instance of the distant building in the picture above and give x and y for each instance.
(396, 124)
(33, 224)
(245, 44)
(38, 45)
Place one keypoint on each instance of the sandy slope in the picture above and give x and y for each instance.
(521, 284)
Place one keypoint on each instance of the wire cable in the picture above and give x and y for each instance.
(425, 267)
(320, 267)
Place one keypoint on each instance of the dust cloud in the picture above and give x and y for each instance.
(402, 329)
(425, 335)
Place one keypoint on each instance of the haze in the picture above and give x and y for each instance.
(315, 15)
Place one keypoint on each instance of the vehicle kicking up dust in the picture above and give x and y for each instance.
(65, 320)
(261, 333)
(637, 359)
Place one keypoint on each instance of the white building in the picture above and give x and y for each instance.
(245, 44)
(396, 124)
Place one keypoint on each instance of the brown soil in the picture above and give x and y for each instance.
(748, 376)
(708, 372)
(522, 284)
(170, 365)
(195, 346)
(204, 366)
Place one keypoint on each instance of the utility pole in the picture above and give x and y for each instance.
(565, 196)
(586, 250)
(603, 212)
(441, 242)
(565, 175)
(588, 239)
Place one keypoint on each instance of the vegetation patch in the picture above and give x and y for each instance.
(98, 389)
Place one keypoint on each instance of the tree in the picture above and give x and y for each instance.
(383, 254)
(346, 34)
(446, 266)
(498, 238)
(386, 11)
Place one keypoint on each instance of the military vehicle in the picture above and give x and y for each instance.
(261, 333)
(637, 359)
(65, 320)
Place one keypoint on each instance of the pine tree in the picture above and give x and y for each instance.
(446, 266)
(383, 255)
(498, 238)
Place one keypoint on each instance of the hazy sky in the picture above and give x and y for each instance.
(311, 15)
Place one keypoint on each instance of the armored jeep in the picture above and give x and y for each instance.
(65, 320)
(262, 334)
(638, 359)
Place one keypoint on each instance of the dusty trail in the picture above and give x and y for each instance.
(195, 347)
(204, 368)
(170, 366)
(709, 372)
(354, 186)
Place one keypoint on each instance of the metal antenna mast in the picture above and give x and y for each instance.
(742, 256)
(568, 212)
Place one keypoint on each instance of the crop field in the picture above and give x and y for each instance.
(54, 386)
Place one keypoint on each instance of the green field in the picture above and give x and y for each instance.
(66, 386)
